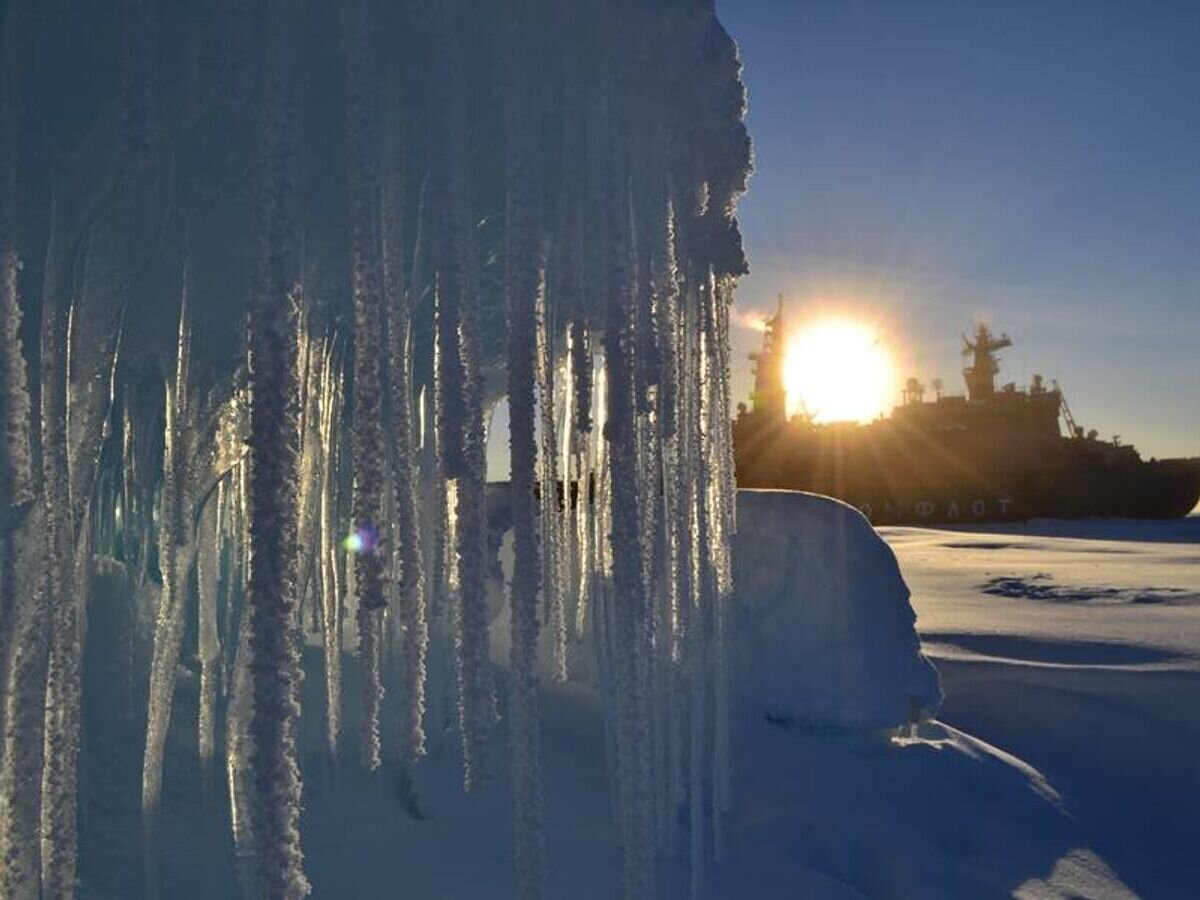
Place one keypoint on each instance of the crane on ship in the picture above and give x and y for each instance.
(1073, 430)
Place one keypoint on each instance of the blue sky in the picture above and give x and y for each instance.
(1037, 164)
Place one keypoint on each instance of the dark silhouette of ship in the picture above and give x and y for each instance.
(993, 454)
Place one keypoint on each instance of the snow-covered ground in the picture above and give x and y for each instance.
(1064, 761)
(1020, 788)
(1075, 646)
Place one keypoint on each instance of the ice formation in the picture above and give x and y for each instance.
(520, 200)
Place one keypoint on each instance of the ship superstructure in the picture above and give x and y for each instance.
(996, 452)
(770, 394)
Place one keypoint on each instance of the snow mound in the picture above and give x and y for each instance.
(824, 632)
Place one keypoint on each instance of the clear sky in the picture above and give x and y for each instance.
(924, 164)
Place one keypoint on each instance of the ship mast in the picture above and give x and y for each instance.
(981, 374)
(770, 396)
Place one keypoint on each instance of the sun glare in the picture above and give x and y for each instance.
(838, 370)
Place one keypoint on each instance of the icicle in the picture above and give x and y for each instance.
(587, 476)
(16, 461)
(476, 689)
(573, 469)
(130, 514)
(678, 562)
(702, 602)
(330, 404)
(72, 432)
(602, 514)
(207, 577)
(663, 530)
(413, 612)
(460, 417)
(569, 522)
(311, 366)
(552, 577)
(437, 512)
(62, 718)
(527, 379)
(238, 762)
(441, 514)
(440, 502)
(633, 737)
(369, 457)
(272, 594)
(78, 370)
(176, 545)
(239, 547)
(24, 704)
(714, 248)
(723, 491)
(23, 646)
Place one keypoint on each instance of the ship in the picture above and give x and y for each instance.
(991, 454)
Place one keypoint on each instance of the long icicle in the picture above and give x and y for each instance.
(696, 624)
(330, 405)
(723, 494)
(272, 597)
(209, 644)
(413, 611)
(23, 597)
(664, 285)
(526, 364)
(176, 545)
(460, 419)
(632, 732)
(238, 760)
(368, 395)
(16, 460)
(553, 587)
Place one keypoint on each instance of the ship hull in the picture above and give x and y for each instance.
(926, 482)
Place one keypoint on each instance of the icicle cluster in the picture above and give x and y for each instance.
(664, 167)
(495, 199)
(328, 410)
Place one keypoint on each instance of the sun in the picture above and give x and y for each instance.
(838, 370)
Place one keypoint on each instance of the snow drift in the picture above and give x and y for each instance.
(824, 634)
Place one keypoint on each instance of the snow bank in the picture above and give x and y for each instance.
(824, 632)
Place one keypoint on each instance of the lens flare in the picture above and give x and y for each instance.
(750, 319)
(362, 540)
